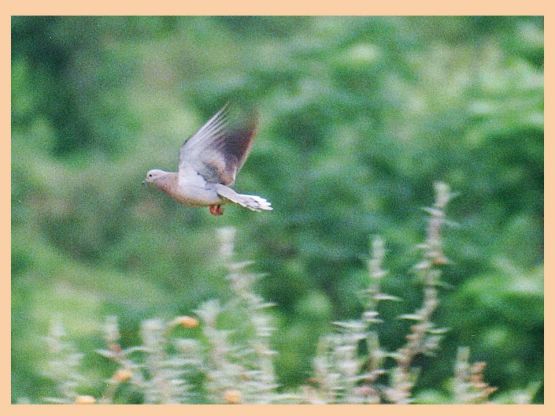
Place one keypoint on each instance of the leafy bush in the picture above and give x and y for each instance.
(231, 361)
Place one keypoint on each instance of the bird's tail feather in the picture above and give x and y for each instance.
(252, 202)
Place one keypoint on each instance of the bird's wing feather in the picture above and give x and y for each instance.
(218, 150)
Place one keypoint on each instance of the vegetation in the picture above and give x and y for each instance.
(234, 365)
(359, 117)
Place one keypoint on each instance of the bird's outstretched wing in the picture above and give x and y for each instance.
(218, 150)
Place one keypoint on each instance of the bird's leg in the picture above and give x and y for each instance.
(216, 210)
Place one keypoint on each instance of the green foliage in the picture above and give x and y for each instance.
(358, 117)
(232, 361)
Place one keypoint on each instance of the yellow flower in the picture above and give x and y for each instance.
(122, 375)
(232, 396)
(186, 322)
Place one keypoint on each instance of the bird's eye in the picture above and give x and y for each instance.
(150, 175)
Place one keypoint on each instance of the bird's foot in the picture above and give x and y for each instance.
(216, 210)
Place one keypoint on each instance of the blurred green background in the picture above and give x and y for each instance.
(359, 116)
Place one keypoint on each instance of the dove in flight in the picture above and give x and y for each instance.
(208, 164)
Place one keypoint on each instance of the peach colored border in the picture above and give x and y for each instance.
(259, 7)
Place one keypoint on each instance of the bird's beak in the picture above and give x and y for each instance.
(144, 183)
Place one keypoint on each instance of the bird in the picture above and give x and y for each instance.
(209, 162)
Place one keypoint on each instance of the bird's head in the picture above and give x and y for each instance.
(154, 175)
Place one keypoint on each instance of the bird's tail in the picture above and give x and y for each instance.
(252, 202)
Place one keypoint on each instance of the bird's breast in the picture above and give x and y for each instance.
(194, 195)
